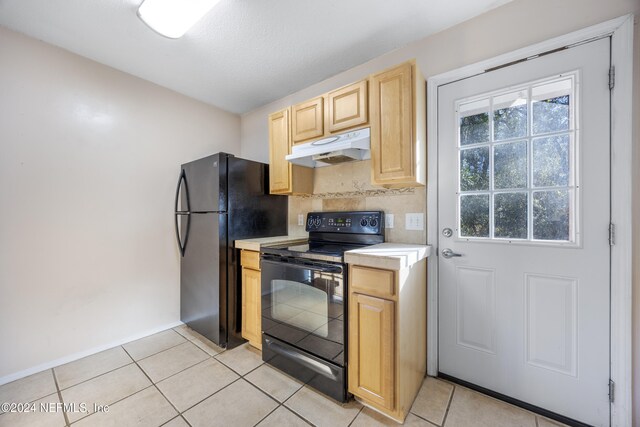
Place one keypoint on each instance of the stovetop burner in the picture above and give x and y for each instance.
(331, 234)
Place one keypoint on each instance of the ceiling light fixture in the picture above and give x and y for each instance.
(173, 18)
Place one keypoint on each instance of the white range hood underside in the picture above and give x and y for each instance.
(346, 147)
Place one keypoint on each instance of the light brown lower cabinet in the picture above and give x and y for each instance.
(387, 337)
(251, 304)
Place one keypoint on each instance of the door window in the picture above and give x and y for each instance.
(517, 176)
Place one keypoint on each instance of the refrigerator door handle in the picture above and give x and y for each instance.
(187, 213)
(181, 245)
(183, 177)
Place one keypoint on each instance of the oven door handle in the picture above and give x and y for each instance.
(328, 269)
(303, 360)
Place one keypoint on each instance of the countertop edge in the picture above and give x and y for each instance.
(257, 243)
(392, 256)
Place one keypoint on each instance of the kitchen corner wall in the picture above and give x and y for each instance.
(347, 187)
(89, 160)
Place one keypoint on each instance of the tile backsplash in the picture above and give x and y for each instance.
(347, 187)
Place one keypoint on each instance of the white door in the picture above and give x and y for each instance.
(523, 199)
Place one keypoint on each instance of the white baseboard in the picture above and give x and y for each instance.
(75, 356)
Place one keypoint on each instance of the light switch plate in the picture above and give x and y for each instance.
(300, 219)
(388, 220)
(414, 221)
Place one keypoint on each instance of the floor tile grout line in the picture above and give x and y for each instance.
(181, 371)
(171, 419)
(300, 415)
(137, 391)
(293, 411)
(262, 391)
(158, 352)
(181, 415)
(64, 413)
(234, 371)
(270, 412)
(423, 418)
(156, 386)
(212, 394)
(357, 415)
(97, 376)
(446, 413)
(194, 338)
(113, 403)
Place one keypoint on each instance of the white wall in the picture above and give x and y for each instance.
(89, 158)
(507, 28)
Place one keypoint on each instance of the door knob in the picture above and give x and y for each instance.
(448, 253)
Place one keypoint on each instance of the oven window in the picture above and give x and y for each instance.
(302, 305)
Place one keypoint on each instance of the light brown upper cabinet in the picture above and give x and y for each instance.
(348, 107)
(285, 178)
(308, 119)
(398, 127)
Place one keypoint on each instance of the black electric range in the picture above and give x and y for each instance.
(304, 298)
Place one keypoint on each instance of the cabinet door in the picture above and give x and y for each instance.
(371, 350)
(348, 107)
(308, 120)
(279, 168)
(251, 325)
(392, 119)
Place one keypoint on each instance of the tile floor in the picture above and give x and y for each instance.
(177, 378)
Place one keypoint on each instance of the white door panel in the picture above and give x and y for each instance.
(524, 185)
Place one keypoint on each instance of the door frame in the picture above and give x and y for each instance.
(621, 32)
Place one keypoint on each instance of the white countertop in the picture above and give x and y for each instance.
(390, 256)
(256, 244)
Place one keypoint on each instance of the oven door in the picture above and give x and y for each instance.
(303, 312)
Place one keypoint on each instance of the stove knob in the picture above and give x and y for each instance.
(364, 222)
(310, 222)
(317, 222)
(373, 222)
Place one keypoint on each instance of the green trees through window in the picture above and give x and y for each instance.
(515, 167)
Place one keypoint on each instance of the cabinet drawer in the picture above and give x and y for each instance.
(250, 259)
(373, 281)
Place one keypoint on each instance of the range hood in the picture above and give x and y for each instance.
(346, 147)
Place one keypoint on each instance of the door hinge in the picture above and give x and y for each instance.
(611, 390)
(612, 77)
(612, 234)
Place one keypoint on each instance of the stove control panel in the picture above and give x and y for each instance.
(359, 222)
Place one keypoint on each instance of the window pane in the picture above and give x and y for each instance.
(474, 215)
(551, 115)
(510, 116)
(551, 161)
(551, 106)
(551, 215)
(474, 169)
(510, 215)
(474, 129)
(510, 165)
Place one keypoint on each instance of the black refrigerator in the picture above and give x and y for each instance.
(219, 199)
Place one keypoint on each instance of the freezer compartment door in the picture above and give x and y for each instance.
(206, 182)
(202, 275)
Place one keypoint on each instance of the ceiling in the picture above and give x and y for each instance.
(244, 53)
